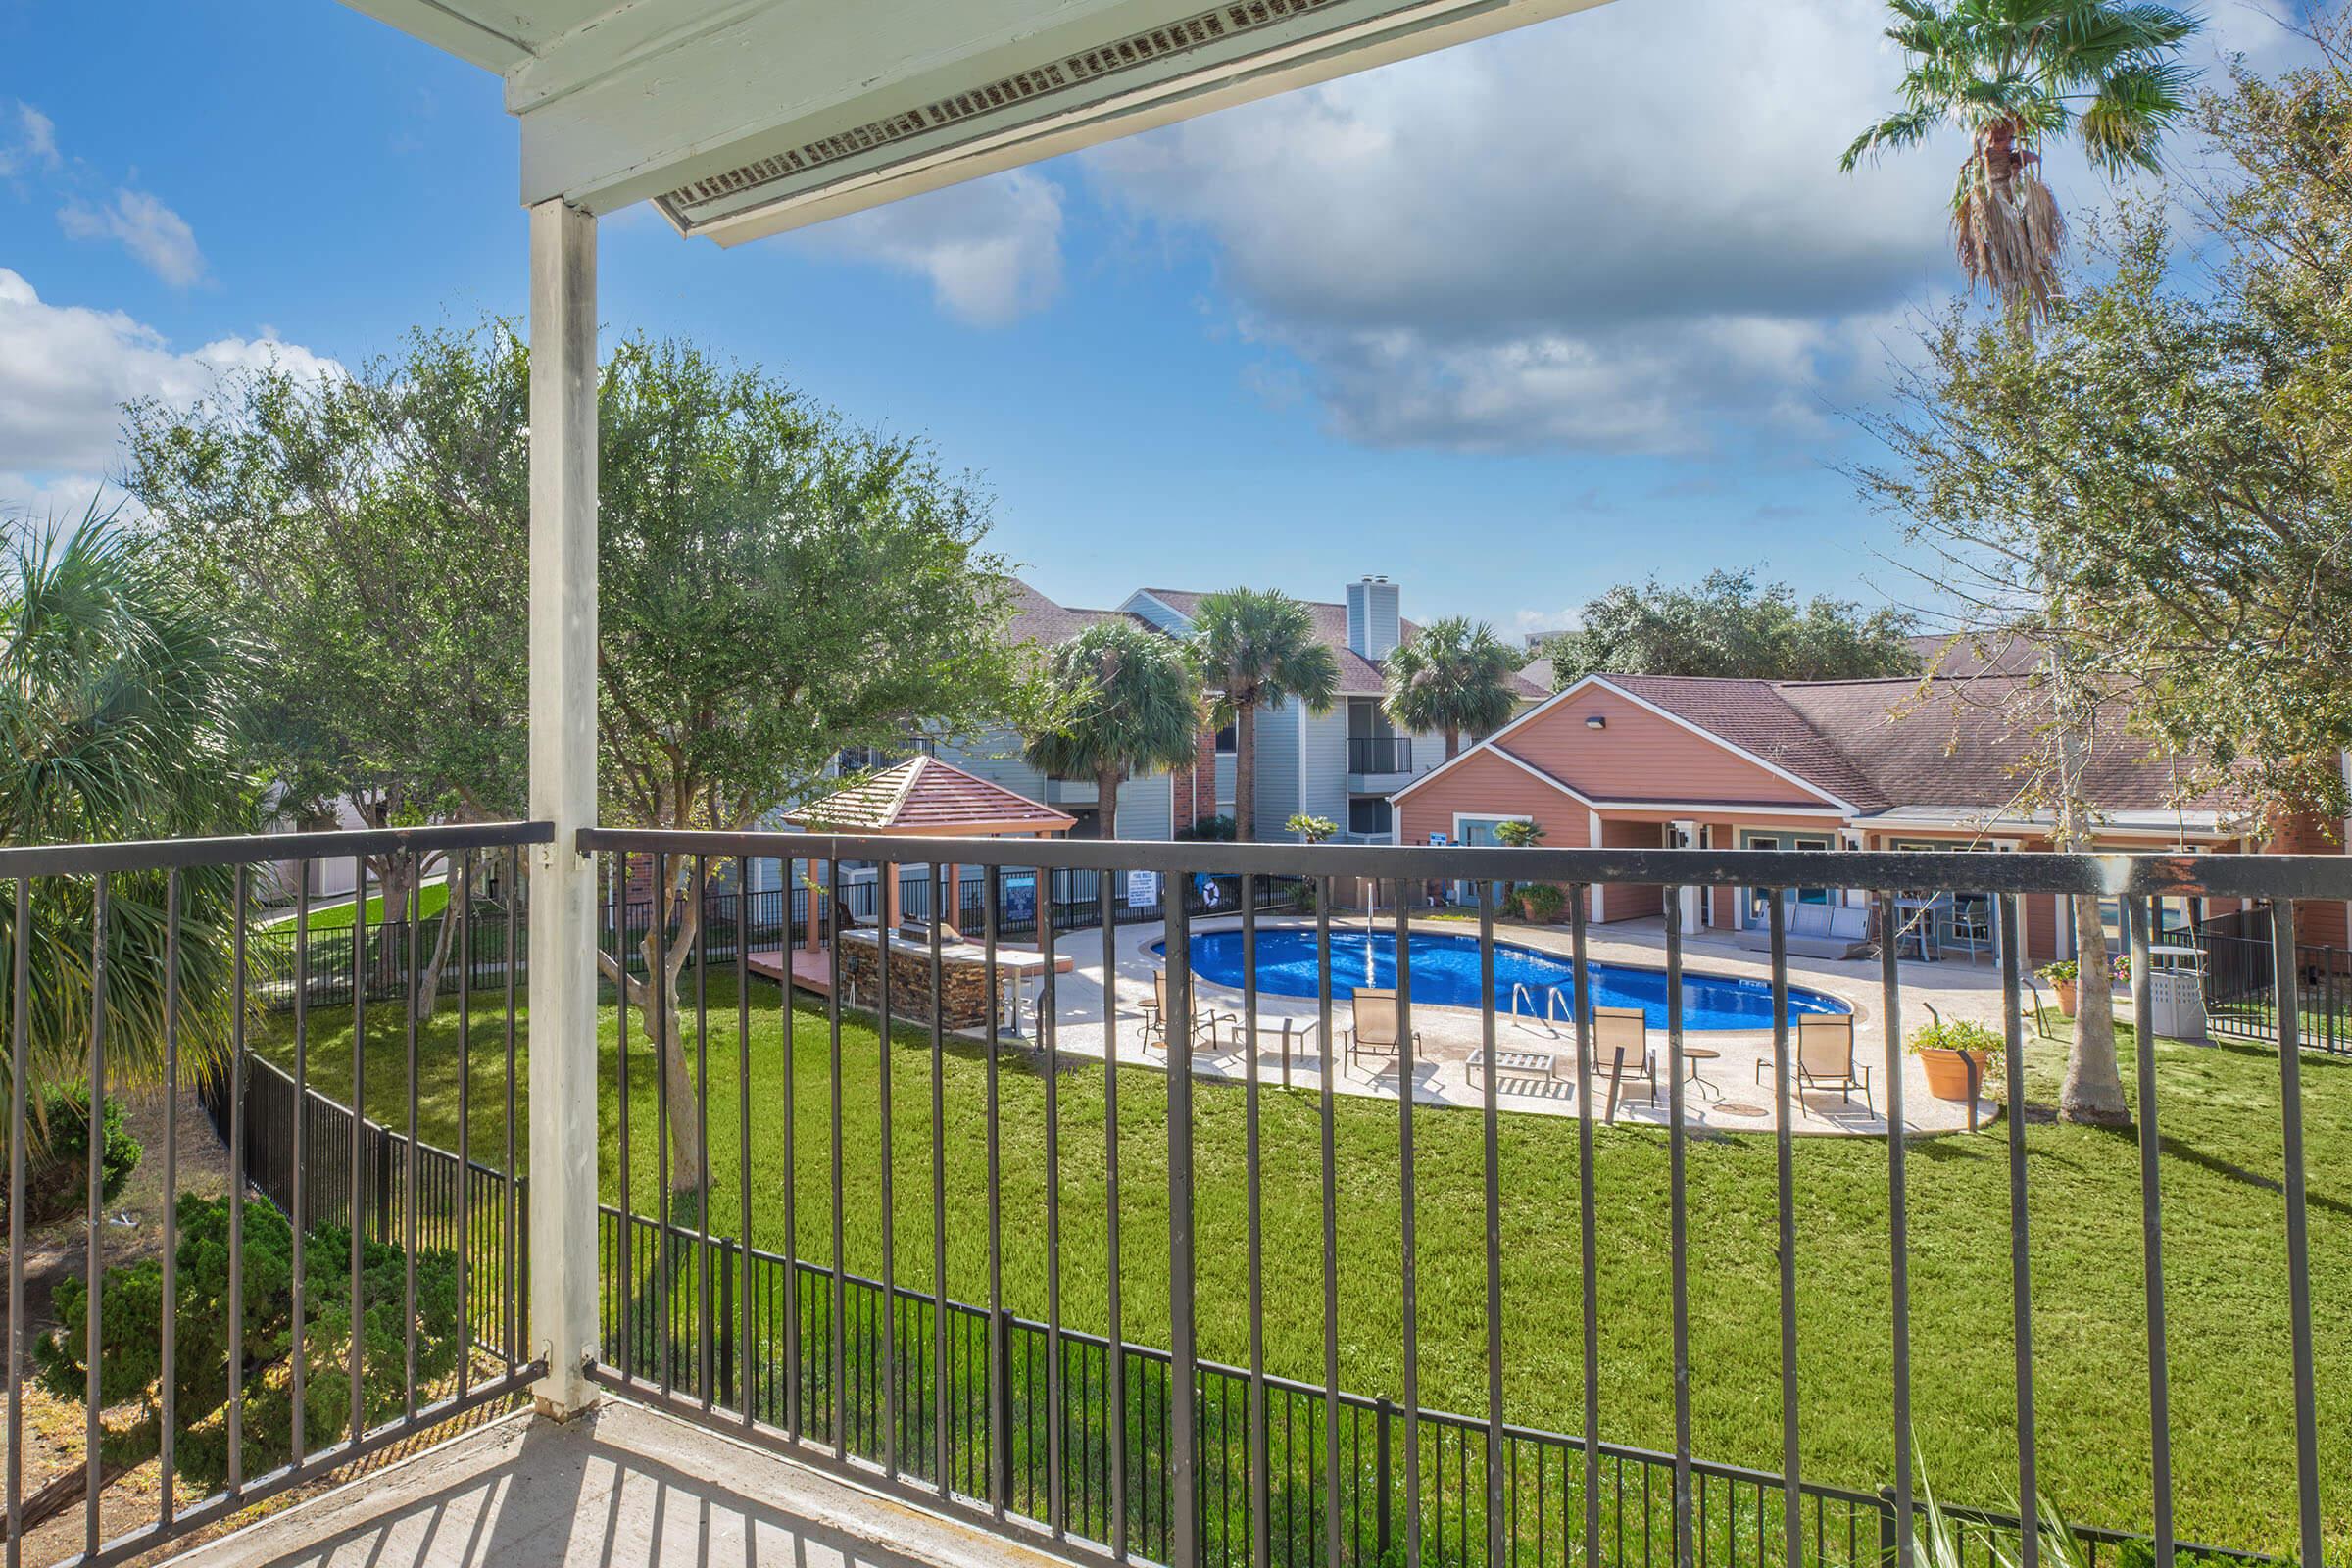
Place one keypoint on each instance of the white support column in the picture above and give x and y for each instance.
(562, 707)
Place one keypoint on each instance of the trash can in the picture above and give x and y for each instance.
(2177, 992)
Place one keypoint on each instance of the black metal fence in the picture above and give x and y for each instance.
(2242, 991)
(752, 1333)
(138, 961)
(1158, 1453)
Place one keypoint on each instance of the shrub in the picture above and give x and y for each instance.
(1543, 902)
(57, 1161)
(1313, 829)
(1519, 835)
(1209, 829)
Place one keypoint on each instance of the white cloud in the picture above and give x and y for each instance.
(1621, 231)
(991, 250)
(33, 143)
(66, 371)
(143, 225)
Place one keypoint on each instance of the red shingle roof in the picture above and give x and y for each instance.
(1951, 743)
(925, 795)
(1754, 716)
(1040, 620)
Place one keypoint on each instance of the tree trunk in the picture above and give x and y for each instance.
(665, 1028)
(66, 1491)
(428, 984)
(1244, 773)
(1107, 804)
(1454, 742)
(2093, 1091)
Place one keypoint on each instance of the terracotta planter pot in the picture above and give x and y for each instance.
(1947, 1071)
(2065, 996)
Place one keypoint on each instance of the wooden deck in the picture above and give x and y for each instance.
(810, 972)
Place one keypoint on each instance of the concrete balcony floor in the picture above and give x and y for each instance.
(622, 1485)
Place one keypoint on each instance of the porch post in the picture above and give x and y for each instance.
(562, 791)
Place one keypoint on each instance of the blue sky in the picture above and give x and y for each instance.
(1509, 324)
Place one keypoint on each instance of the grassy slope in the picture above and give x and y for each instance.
(431, 901)
(2223, 1232)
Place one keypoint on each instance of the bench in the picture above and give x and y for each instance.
(1825, 930)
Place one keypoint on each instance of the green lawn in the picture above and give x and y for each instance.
(2224, 1237)
(430, 901)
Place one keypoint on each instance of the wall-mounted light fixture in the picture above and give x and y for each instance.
(1597, 721)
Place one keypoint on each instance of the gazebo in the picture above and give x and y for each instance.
(924, 798)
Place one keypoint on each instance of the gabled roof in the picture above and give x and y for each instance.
(1754, 717)
(926, 796)
(1040, 620)
(1955, 743)
(1900, 747)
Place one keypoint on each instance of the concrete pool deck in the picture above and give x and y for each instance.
(1730, 1100)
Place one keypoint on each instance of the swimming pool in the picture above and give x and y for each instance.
(1445, 973)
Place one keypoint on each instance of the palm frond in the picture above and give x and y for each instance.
(2121, 127)
(1903, 129)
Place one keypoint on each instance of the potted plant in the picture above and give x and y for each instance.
(1542, 903)
(1946, 1050)
(2062, 976)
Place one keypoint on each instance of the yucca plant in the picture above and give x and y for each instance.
(2016, 76)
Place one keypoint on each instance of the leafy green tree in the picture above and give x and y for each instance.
(1257, 649)
(1453, 677)
(776, 586)
(1310, 828)
(1127, 703)
(364, 534)
(1729, 625)
(1518, 834)
(117, 691)
(2015, 76)
(130, 1346)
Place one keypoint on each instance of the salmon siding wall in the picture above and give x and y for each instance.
(1484, 785)
(1640, 755)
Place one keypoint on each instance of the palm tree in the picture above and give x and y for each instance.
(1454, 675)
(1257, 649)
(116, 700)
(2016, 76)
(1130, 705)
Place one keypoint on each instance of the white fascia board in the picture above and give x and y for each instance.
(631, 107)
(488, 40)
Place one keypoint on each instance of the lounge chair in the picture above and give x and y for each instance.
(1621, 1049)
(1155, 1012)
(1824, 1058)
(1376, 1031)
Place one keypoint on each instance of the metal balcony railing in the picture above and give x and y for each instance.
(1380, 753)
(943, 1259)
(136, 965)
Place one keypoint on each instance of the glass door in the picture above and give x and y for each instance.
(1758, 902)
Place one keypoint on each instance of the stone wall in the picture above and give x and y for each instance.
(964, 983)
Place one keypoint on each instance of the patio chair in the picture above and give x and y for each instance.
(1376, 1030)
(1824, 1058)
(1621, 1049)
(1155, 1012)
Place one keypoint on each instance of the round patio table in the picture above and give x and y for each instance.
(1697, 1057)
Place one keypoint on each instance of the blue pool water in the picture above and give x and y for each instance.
(1445, 973)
